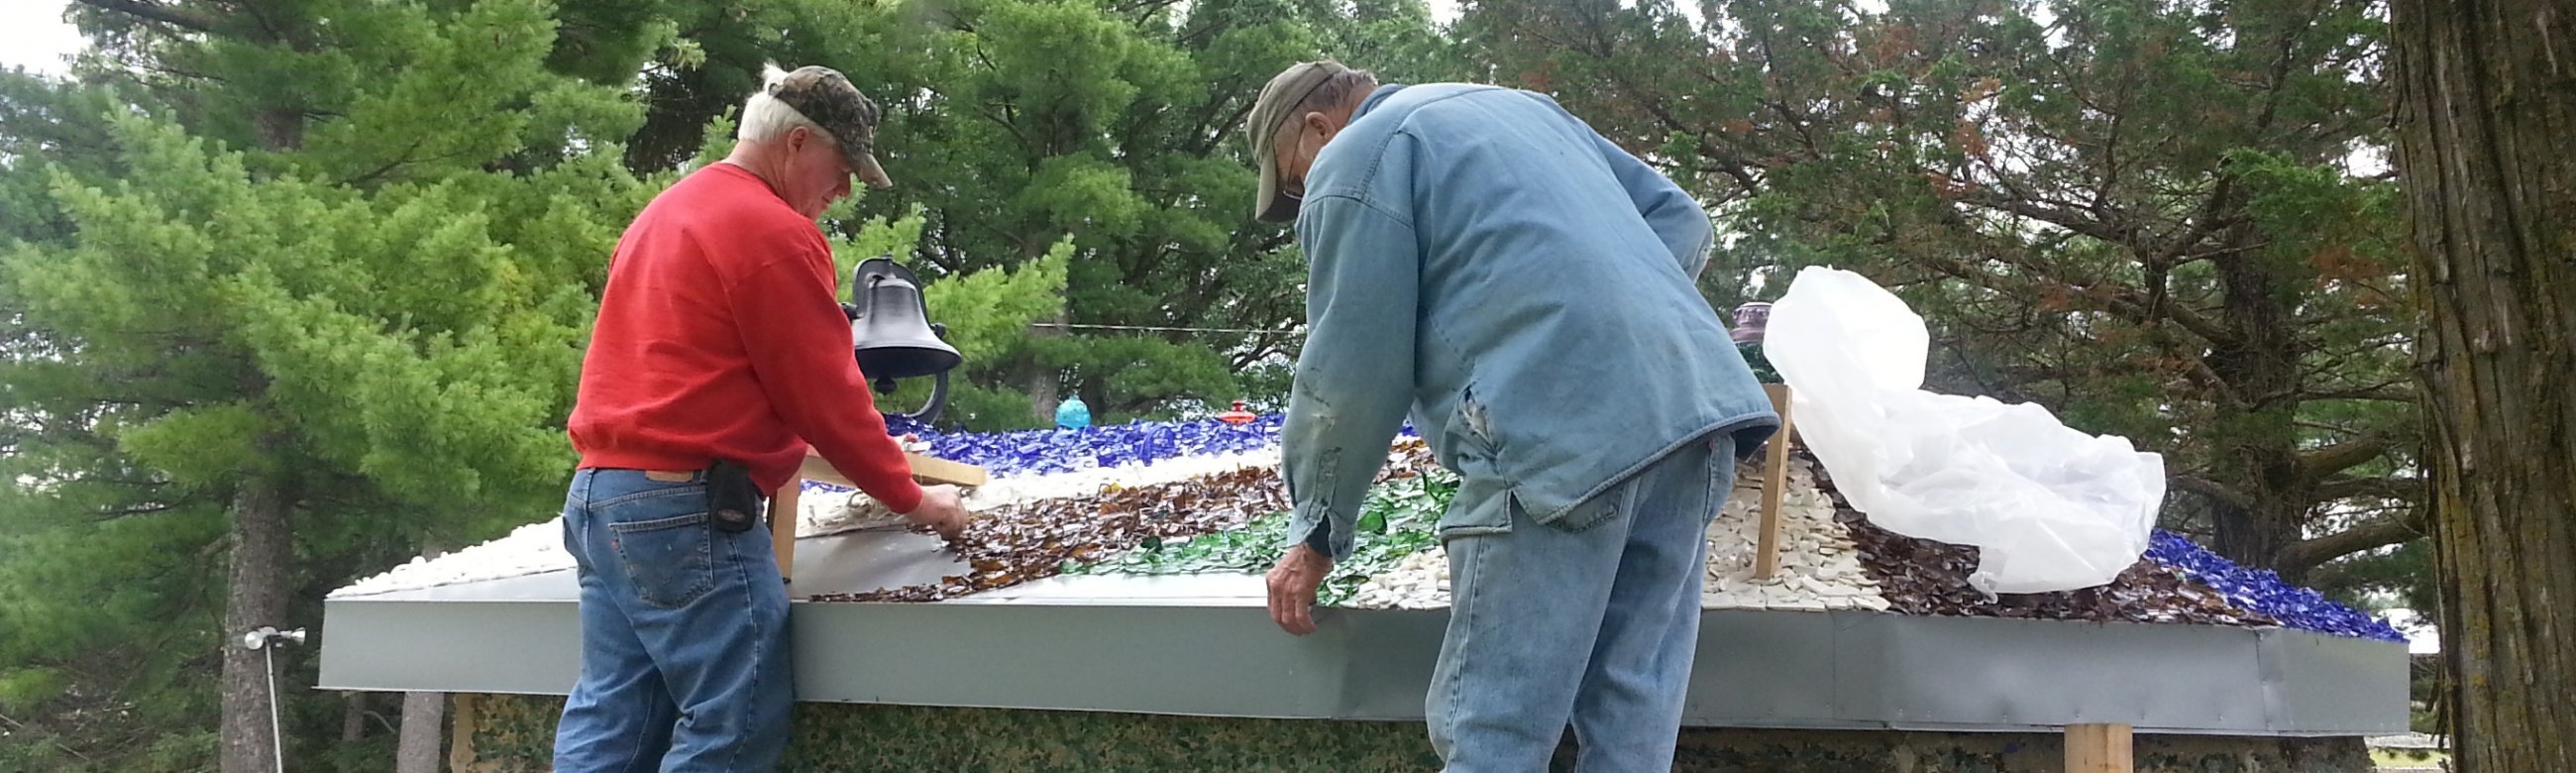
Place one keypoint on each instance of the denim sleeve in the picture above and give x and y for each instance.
(1676, 217)
(1354, 377)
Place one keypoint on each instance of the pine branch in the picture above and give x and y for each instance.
(58, 743)
(2382, 393)
(2318, 464)
(176, 17)
(2389, 488)
(2215, 490)
(2376, 533)
(113, 513)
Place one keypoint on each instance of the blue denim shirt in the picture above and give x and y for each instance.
(1480, 257)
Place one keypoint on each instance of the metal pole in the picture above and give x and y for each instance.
(276, 731)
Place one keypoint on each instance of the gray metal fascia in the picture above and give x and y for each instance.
(1769, 669)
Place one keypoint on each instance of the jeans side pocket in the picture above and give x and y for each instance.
(1599, 509)
(1483, 507)
(1721, 478)
(668, 559)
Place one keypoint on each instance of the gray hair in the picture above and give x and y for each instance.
(1336, 90)
(764, 118)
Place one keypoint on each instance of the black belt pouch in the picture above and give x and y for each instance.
(733, 501)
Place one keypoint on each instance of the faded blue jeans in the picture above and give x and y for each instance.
(1591, 620)
(684, 663)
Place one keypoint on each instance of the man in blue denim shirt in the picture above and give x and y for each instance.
(1525, 288)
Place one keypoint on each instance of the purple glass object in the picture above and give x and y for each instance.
(1750, 319)
(2261, 591)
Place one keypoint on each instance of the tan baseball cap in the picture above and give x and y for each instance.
(828, 99)
(1277, 102)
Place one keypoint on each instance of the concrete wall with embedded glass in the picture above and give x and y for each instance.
(513, 734)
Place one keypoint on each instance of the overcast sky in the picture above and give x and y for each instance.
(33, 34)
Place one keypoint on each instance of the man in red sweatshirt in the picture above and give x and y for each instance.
(720, 353)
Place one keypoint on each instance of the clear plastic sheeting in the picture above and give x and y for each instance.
(2049, 508)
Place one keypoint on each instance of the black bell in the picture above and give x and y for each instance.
(891, 333)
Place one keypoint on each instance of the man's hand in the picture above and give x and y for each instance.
(1292, 588)
(941, 510)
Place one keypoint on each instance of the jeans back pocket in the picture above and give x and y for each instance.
(665, 545)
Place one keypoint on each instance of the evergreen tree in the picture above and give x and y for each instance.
(316, 295)
(2137, 213)
(2485, 105)
(1015, 125)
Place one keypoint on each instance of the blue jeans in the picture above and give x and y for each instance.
(1590, 620)
(683, 633)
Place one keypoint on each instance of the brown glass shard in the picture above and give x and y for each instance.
(1031, 541)
(1923, 577)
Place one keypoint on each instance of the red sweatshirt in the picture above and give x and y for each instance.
(720, 335)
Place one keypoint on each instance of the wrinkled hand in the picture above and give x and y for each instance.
(1292, 588)
(942, 510)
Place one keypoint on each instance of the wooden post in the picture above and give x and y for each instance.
(460, 739)
(1775, 484)
(2098, 748)
(416, 749)
(782, 527)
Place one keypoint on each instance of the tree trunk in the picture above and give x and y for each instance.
(280, 128)
(417, 748)
(1040, 378)
(353, 717)
(256, 596)
(2486, 145)
(2256, 434)
(2254, 535)
(424, 717)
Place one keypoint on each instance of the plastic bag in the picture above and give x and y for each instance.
(2049, 508)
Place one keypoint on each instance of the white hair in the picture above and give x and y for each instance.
(764, 118)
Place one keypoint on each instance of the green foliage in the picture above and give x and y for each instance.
(2137, 214)
(21, 688)
(987, 315)
(390, 334)
(352, 247)
(1039, 122)
(348, 250)
(364, 286)
(993, 307)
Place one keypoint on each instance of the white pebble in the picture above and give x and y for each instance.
(538, 547)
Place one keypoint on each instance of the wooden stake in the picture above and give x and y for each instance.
(782, 527)
(2098, 748)
(1775, 483)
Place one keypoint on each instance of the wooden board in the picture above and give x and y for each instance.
(782, 527)
(932, 469)
(1775, 484)
(2098, 749)
(927, 469)
(460, 746)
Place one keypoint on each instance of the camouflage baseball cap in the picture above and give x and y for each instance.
(828, 99)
